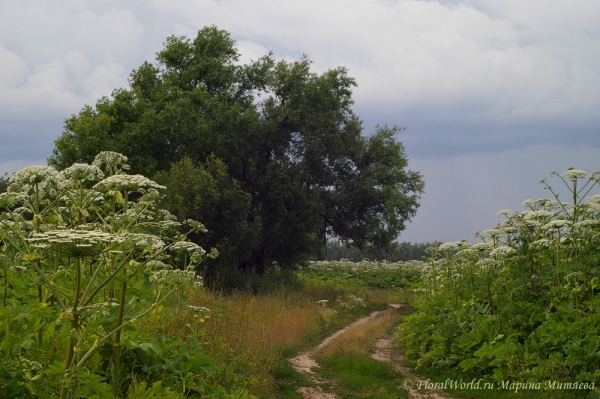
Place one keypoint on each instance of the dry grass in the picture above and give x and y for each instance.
(360, 339)
(245, 331)
(250, 332)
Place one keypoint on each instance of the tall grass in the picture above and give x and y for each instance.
(252, 332)
(360, 339)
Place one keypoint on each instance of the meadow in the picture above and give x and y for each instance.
(521, 306)
(101, 299)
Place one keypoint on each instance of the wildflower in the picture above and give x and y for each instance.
(503, 212)
(194, 250)
(594, 199)
(127, 183)
(79, 172)
(198, 308)
(491, 233)
(502, 252)
(487, 263)
(177, 277)
(197, 226)
(448, 247)
(586, 223)
(528, 203)
(543, 243)
(112, 161)
(556, 225)
(157, 265)
(32, 175)
(75, 243)
(481, 247)
(574, 174)
(145, 241)
(539, 214)
(552, 205)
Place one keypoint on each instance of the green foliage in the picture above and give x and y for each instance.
(363, 377)
(522, 305)
(403, 251)
(4, 183)
(276, 175)
(363, 274)
(206, 192)
(157, 391)
(85, 254)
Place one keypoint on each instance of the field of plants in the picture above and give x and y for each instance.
(101, 299)
(523, 304)
(86, 256)
(366, 273)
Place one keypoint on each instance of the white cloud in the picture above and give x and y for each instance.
(56, 56)
(13, 70)
(513, 61)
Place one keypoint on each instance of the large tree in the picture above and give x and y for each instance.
(281, 141)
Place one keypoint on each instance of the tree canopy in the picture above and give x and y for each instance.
(269, 155)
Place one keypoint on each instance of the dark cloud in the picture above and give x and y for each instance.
(494, 94)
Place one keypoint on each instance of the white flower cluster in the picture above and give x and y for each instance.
(541, 243)
(41, 176)
(154, 265)
(75, 243)
(112, 161)
(502, 252)
(79, 172)
(30, 365)
(574, 174)
(98, 309)
(448, 247)
(127, 183)
(145, 241)
(198, 308)
(556, 225)
(197, 226)
(195, 251)
(177, 277)
(34, 175)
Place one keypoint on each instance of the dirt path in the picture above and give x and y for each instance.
(304, 362)
(384, 353)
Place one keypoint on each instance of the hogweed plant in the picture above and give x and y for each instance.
(93, 243)
(523, 303)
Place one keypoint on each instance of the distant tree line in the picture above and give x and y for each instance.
(398, 251)
(4, 183)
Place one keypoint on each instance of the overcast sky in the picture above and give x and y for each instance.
(494, 94)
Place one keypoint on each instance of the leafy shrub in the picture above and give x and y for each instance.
(86, 253)
(523, 304)
(365, 273)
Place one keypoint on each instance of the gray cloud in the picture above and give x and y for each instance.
(463, 193)
(494, 93)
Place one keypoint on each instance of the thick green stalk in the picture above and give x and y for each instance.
(111, 270)
(69, 360)
(117, 345)
(74, 327)
(5, 285)
(93, 349)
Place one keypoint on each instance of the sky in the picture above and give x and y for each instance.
(494, 94)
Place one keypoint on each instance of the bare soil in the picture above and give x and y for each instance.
(304, 362)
